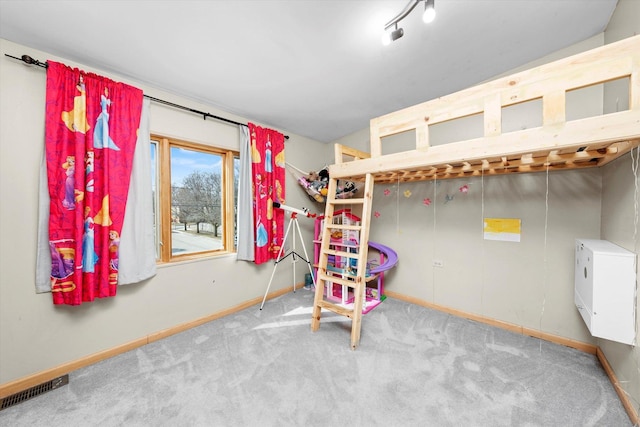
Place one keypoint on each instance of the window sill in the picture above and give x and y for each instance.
(189, 259)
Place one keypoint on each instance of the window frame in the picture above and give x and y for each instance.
(163, 188)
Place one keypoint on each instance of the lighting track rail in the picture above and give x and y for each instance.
(391, 30)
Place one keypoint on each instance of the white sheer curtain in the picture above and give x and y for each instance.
(43, 256)
(246, 249)
(137, 248)
(137, 243)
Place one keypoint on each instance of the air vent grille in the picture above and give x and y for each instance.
(34, 391)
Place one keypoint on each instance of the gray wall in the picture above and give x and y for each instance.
(620, 198)
(527, 283)
(35, 335)
(620, 225)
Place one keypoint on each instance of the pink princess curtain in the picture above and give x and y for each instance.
(268, 170)
(90, 136)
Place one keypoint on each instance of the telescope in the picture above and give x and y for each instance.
(292, 221)
(303, 211)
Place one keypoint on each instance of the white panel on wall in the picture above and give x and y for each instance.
(605, 289)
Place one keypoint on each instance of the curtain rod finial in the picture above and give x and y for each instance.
(29, 60)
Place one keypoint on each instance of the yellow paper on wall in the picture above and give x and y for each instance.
(505, 229)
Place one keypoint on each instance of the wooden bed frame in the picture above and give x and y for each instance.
(557, 145)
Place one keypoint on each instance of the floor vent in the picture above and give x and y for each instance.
(34, 391)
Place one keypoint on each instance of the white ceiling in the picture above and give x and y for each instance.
(316, 68)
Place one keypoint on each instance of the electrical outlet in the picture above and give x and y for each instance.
(438, 263)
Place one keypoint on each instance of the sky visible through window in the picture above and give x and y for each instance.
(184, 162)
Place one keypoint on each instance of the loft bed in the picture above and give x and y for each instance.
(558, 144)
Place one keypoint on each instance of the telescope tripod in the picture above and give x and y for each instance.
(294, 255)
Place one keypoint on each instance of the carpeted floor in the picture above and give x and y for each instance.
(414, 367)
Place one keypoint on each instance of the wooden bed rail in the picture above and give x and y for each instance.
(557, 144)
(342, 151)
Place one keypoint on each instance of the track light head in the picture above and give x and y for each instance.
(429, 11)
(392, 35)
(428, 16)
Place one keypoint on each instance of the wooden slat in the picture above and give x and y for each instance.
(350, 255)
(341, 151)
(422, 137)
(581, 75)
(344, 226)
(336, 309)
(553, 108)
(339, 280)
(634, 85)
(524, 163)
(359, 292)
(324, 257)
(615, 127)
(492, 115)
(330, 275)
(345, 201)
(375, 139)
(599, 65)
(616, 150)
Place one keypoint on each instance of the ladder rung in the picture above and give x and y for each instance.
(342, 281)
(340, 273)
(345, 201)
(340, 244)
(344, 227)
(351, 255)
(336, 308)
(338, 280)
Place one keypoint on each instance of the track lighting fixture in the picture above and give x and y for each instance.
(392, 35)
(429, 11)
(428, 16)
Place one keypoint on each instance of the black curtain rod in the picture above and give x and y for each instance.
(30, 61)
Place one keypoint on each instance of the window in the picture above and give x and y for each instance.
(194, 192)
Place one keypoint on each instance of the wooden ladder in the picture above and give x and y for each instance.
(355, 280)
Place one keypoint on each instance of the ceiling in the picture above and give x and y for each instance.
(316, 68)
